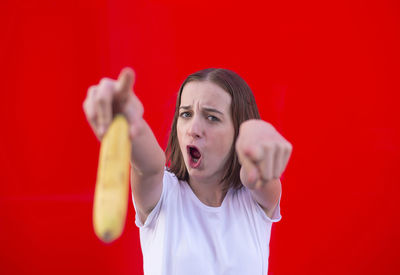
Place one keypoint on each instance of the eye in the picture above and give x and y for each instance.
(184, 114)
(212, 118)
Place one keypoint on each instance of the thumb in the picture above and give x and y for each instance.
(125, 80)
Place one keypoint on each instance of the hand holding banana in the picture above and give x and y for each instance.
(113, 112)
(112, 186)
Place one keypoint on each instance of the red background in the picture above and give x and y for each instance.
(325, 73)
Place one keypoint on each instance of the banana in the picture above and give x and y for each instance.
(112, 185)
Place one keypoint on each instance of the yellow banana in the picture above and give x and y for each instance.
(112, 186)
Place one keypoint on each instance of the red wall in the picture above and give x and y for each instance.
(326, 74)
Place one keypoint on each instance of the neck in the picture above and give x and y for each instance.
(209, 193)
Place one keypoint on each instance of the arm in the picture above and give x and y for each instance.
(265, 193)
(102, 102)
(263, 154)
(147, 170)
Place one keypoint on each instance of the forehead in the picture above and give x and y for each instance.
(205, 93)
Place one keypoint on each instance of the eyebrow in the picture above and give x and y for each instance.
(208, 109)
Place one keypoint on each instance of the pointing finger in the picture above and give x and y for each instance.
(249, 173)
(254, 153)
(125, 80)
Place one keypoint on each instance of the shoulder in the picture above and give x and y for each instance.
(169, 183)
(173, 187)
(170, 180)
(169, 174)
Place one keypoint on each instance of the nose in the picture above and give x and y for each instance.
(195, 128)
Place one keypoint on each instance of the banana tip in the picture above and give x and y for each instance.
(107, 237)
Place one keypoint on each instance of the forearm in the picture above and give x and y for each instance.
(147, 157)
(267, 195)
(265, 192)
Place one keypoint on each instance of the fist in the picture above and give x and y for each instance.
(111, 97)
(262, 152)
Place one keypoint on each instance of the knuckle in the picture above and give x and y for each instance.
(288, 148)
(92, 122)
(91, 90)
(269, 146)
(267, 124)
(105, 81)
(84, 106)
(91, 117)
(89, 96)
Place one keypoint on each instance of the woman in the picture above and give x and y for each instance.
(211, 210)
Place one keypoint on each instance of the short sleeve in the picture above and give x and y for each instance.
(276, 216)
(156, 210)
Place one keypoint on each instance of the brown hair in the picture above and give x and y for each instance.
(243, 107)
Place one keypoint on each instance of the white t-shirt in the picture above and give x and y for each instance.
(183, 236)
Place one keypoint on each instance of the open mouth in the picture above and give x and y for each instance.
(194, 156)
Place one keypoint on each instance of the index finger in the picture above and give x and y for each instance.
(255, 153)
(125, 80)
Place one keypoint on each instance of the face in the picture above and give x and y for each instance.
(205, 130)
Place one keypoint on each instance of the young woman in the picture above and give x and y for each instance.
(211, 210)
